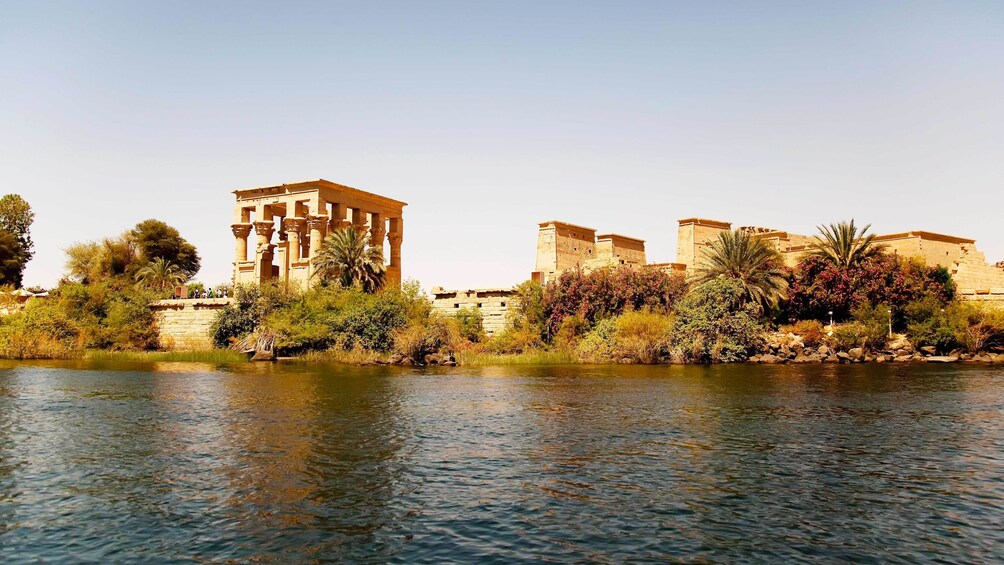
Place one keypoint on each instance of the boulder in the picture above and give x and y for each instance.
(433, 359)
(832, 359)
(263, 355)
(942, 359)
(903, 358)
(770, 359)
(880, 359)
(754, 359)
(396, 359)
(843, 356)
(856, 353)
(812, 358)
(929, 350)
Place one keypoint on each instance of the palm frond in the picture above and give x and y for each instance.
(752, 261)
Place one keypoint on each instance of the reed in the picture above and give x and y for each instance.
(201, 356)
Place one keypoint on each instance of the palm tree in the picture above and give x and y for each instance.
(752, 261)
(346, 255)
(160, 274)
(845, 246)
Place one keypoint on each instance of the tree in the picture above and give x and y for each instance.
(16, 218)
(715, 324)
(608, 292)
(818, 286)
(11, 265)
(160, 274)
(155, 239)
(347, 256)
(843, 245)
(754, 263)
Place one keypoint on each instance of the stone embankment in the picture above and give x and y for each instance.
(789, 348)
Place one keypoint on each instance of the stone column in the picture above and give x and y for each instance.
(396, 236)
(293, 228)
(263, 251)
(378, 232)
(316, 224)
(241, 233)
(359, 218)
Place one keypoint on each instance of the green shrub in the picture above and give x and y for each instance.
(572, 328)
(927, 324)
(597, 345)
(513, 340)
(438, 335)
(874, 325)
(849, 335)
(251, 304)
(642, 337)
(978, 327)
(471, 324)
(713, 326)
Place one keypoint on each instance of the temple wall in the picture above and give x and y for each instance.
(493, 303)
(184, 324)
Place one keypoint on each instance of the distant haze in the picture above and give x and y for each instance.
(491, 117)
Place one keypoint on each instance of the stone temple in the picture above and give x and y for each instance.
(290, 221)
(562, 246)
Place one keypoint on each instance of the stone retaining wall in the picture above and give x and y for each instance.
(184, 324)
(493, 303)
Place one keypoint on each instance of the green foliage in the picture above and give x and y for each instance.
(251, 304)
(347, 258)
(160, 274)
(438, 334)
(156, 240)
(513, 340)
(849, 335)
(978, 327)
(927, 324)
(16, 218)
(750, 260)
(11, 260)
(77, 316)
(609, 292)
(844, 245)
(471, 324)
(526, 309)
(716, 325)
(597, 345)
(642, 337)
(874, 325)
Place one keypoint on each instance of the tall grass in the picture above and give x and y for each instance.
(533, 357)
(203, 356)
(355, 356)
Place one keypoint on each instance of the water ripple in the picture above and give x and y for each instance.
(288, 463)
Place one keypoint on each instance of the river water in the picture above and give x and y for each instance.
(119, 462)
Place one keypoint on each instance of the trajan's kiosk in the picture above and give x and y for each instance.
(279, 229)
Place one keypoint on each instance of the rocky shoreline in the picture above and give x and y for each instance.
(789, 348)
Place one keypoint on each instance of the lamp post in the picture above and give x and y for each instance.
(890, 323)
(831, 318)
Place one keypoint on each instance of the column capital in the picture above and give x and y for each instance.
(264, 229)
(316, 222)
(241, 230)
(293, 224)
(395, 238)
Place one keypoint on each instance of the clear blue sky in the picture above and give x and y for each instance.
(491, 117)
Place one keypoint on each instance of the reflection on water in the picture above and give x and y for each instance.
(294, 463)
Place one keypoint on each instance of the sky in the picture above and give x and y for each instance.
(488, 118)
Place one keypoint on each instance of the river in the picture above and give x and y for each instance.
(175, 462)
